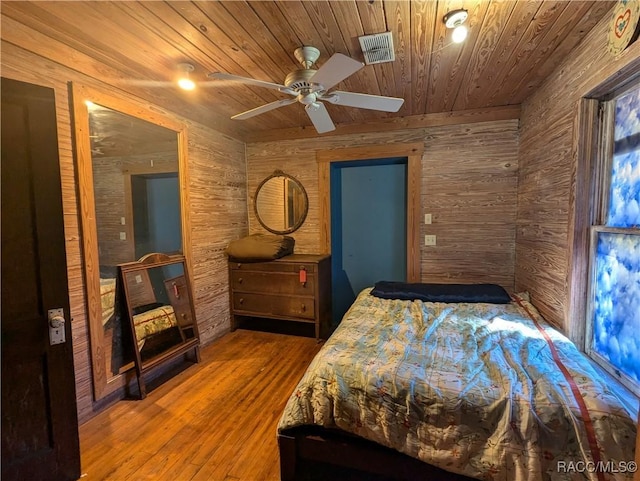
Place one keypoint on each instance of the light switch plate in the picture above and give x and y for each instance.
(427, 218)
(429, 240)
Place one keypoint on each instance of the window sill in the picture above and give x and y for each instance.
(629, 400)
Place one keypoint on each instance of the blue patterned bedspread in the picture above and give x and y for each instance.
(470, 388)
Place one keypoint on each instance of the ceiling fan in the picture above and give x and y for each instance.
(311, 87)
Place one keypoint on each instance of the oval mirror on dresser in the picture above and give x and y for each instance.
(132, 174)
(281, 203)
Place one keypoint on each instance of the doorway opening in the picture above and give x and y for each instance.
(368, 227)
(155, 201)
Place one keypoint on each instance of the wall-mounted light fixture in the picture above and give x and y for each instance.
(455, 20)
(184, 82)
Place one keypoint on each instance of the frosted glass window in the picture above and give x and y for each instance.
(616, 307)
(624, 194)
(613, 339)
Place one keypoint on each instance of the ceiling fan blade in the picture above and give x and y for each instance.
(251, 81)
(335, 70)
(364, 101)
(319, 116)
(264, 108)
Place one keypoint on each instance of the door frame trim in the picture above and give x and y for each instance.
(413, 152)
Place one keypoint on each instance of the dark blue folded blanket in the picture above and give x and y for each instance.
(490, 293)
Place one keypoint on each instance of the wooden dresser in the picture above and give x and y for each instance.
(292, 288)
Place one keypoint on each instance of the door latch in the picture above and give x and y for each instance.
(56, 326)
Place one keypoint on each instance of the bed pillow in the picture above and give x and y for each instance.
(490, 293)
(260, 247)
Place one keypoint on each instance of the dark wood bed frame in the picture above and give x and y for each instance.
(311, 443)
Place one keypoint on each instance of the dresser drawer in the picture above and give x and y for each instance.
(272, 282)
(272, 305)
(273, 266)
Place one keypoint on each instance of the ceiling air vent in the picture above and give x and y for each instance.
(377, 48)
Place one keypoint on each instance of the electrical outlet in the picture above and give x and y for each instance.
(123, 236)
(427, 218)
(429, 240)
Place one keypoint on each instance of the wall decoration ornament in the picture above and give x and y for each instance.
(624, 27)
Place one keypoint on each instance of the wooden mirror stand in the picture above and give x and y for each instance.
(160, 312)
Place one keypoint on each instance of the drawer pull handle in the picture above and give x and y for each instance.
(240, 280)
(303, 308)
(241, 301)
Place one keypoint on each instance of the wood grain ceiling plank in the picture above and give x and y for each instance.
(521, 16)
(306, 30)
(22, 38)
(373, 21)
(398, 16)
(279, 25)
(310, 34)
(581, 27)
(161, 39)
(250, 34)
(103, 26)
(554, 35)
(179, 48)
(447, 68)
(444, 58)
(423, 20)
(64, 26)
(524, 51)
(323, 18)
(226, 46)
(477, 14)
(272, 16)
(264, 42)
(348, 18)
(246, 48)
(489, 34)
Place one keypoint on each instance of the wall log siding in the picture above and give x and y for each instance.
(548, 159)
(217, 194)
(469, 184)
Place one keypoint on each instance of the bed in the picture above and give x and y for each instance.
(465, 390)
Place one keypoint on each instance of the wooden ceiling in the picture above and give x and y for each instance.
(512, 46)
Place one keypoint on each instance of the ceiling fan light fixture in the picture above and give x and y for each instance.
(455, 20)
(184, 82)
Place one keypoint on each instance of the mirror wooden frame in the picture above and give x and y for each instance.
(305, 197)
(142, 268)
(104, 385)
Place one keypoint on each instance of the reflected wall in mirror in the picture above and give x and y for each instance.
(132, 172)
(160, 311)
(281, 203)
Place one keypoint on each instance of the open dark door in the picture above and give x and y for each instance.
(39, 419)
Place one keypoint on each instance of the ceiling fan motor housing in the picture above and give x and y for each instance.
(300, 81)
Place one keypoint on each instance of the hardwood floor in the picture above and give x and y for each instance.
(215, 421)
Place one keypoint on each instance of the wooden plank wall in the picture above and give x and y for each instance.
(469, 185)
(217, 202)
(547, 173)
